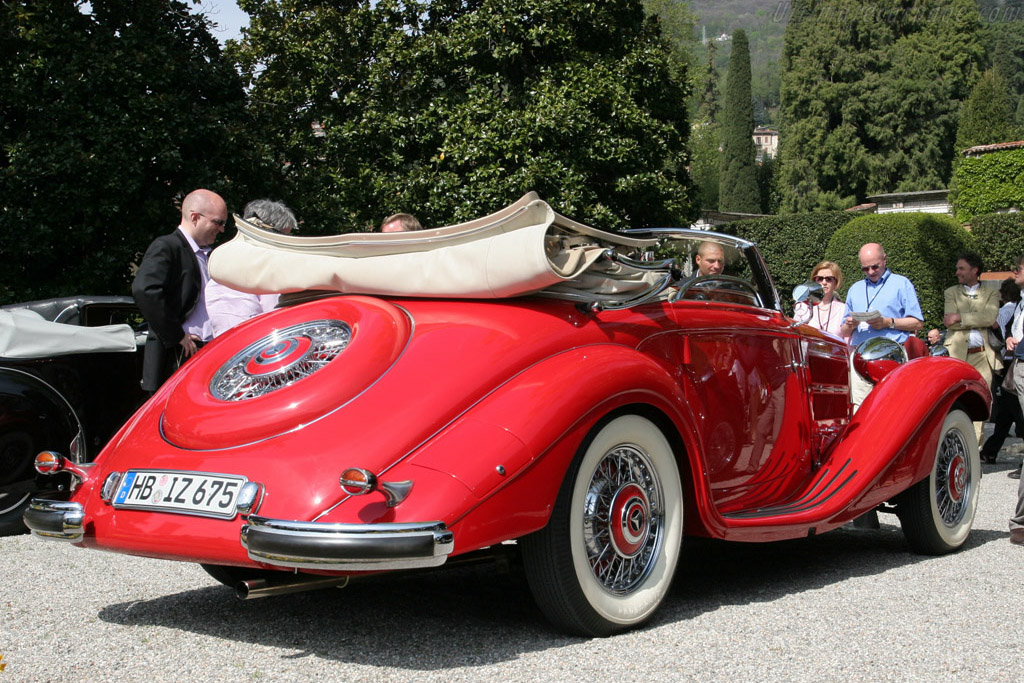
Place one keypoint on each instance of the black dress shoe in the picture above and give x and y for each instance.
(989, 457)
(1014, 474)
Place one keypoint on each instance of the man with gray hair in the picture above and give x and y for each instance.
(229, 307)
(271, 215)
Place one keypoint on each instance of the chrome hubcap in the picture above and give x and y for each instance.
(623, 519)
(952, 478)
(280, 359)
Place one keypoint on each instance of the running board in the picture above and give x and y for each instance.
(825, 487)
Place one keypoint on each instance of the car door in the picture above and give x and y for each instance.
(744, 372)
(755, 425)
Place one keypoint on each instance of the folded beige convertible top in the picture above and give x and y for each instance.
(522, 249)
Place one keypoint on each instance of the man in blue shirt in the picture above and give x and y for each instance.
(888, 298)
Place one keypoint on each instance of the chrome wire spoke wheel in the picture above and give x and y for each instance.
(952, 478)
(606, 558)
(623, 519)
(937, 513)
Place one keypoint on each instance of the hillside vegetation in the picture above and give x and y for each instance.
(764, 22)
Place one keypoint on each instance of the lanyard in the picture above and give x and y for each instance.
(878, 290)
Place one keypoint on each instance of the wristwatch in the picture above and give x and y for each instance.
(892, 323)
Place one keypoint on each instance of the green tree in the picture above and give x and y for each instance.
(738, 185)
(110, 111)
(987, 116)
(676, 22)
(706, 163)
(767, 185)
(450, 109)
(1006, 36)
(870, 96)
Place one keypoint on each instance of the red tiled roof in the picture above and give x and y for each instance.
(978, 150)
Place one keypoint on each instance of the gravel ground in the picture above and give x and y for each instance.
(851, 605)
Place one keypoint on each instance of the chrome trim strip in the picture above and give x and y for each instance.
(55, 519)
(690, 233)
(829, 389)
(346, 547)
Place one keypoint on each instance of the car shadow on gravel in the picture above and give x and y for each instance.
(484, 613)
(714, 574)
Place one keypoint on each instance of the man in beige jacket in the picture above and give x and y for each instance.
(970, 310)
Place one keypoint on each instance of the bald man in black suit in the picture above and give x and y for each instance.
(168, 287)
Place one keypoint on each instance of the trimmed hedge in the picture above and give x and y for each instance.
(988, 183)
(791, 245)
(919, 246)
(999, 238)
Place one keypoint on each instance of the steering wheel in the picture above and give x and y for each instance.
(703, 287)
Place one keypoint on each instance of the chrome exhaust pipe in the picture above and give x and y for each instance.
(263, 588)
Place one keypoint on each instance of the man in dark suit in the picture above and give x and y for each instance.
(169, 285)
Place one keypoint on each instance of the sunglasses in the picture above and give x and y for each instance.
(824, 278)
(868, 269)
(218, 221)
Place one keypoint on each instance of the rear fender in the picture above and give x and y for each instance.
(513, 448)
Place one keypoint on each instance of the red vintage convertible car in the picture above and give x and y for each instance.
(592, 397)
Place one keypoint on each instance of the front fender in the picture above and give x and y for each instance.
(895, 431)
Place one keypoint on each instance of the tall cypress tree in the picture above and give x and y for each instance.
(738, 179)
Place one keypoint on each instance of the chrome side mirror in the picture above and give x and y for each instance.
(876, 357)
(810, 293)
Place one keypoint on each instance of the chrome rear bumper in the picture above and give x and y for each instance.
(346, 547)
(56, 519)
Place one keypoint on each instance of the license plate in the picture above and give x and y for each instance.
(189, 493)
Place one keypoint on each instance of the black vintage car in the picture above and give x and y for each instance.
(69, 378)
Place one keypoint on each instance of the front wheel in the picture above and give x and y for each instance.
(606, 558)
(937, 513)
